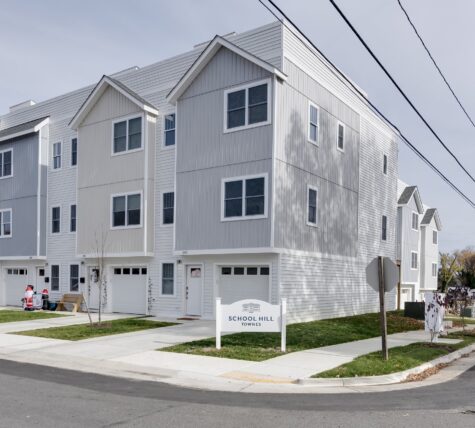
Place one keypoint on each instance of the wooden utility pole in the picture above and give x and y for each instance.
(382, 308)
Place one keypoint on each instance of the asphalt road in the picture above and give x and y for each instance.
(36, 396)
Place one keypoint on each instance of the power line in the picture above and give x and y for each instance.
(391, 78)
(435, 63)
(334, 70)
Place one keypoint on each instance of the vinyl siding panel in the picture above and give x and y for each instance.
(429, 255)
(410, 242)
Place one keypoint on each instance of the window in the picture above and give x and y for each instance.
(414, 262)
(55, 220)
(128, 135)
(313, 116)
(54, 277)
(384, 228)
(5, 223)
(72, 223)
(264, 271)
(434, 269)
(226, 271)
(247, 106)
(74, 278)
(238, 271)
(415, 221)
(170, 125)
(168, 207)
(340, 136)
(74, 152)
(252, 271)
(168, 272)
(435, 237)
(244, 198)
(312, 206)
(385, 164)
(57, 155)
(6, 169)
(126, 210)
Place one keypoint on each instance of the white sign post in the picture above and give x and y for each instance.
(251, 316)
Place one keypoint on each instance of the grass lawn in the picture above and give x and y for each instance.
(400, 358)
(457, 321)
(8, 315)
(314, 334)
(85, 331)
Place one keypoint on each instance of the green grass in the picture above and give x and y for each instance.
(86, 331)
(314, 334)
(457, 321)
(400, 358)
(8, 315)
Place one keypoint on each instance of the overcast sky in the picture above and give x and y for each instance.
(50, 47)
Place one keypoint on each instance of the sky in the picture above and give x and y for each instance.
(50, 47)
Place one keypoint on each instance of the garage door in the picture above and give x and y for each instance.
(16, 280)
(243, 282)
(129, 286)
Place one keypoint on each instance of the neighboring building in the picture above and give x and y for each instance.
(245, 168)
(417, 244)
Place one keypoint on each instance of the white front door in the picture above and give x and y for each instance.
(194, 285)
(92, 292)
(40, 279)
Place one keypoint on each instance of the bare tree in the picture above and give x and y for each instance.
(100, 247)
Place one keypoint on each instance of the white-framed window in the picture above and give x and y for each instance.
(247, 106)
(385, 164)
(54, 277)
(126, 210)
(127, 135)
(313, 122)
(435, 237)
(434, 269)
(6, 223)
(384, 228)
(57, 153)
(414, 260)
(168, 210)
(312, 204)
(74, 151)
(169, 125)
(244, 198)
(74, 278)
(415, 221)
(168, 279)
(72, 218)
(340, 136)
(56, 219)
(6, 163)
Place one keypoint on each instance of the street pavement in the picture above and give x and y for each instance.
(32, 395)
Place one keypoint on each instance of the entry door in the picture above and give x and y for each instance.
(92, 293)
(40, 279)
(194, 285)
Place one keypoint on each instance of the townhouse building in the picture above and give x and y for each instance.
(418, 228)
(247, 167)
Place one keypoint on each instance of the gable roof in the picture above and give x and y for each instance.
(99, 89)
(431, 213)
(406, 196)
(23, 129)
(206, 56)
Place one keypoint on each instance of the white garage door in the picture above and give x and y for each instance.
(243, 282)
(16, 280)
(129, 287)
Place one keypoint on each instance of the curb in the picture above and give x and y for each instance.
(390, 378)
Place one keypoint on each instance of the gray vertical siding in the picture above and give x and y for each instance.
(410, 243)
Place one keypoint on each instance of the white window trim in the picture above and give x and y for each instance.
(53, 169)
(415, 252)
(246, 107)
(309, 187)
(79, 278)
(126, 120)
(162, 224)
(69, 228)
(163, 146)
(173, 262)
(436, 269)
(71, 152)
(387, 164)
(11, 223)
(412, 221)
(134, 226)
(243, 178)
(381, 228)
(51, 219)
(1, 166)
(338, 124)
(311, 104)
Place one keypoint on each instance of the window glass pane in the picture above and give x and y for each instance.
(236, 109)
(169, 121)
(126, 271)
(233, 199)
(119, 211)
(385, 164)
(255, 187)
(236, 118)
(257, 113)
(226, 271)
(144, 271)
(313, 132)
(170, 138)
(54, 277)
(133, 209)
(233, 208)
(117, 271)
(312, 206)
(73, 218)
(56, 220)
(233, 189)
(238, 271)
(135, 133)
(384, 228)
(120, 138)
(313, 115)
(255, 196)
(255, 205)
(258, 94)
(74, 149)
(74, 278)
(236, 99)
(135, 271)
(264, 271)
(258, 104)
(167, 278)
(7, 164)
(252, 271)
(168, 207)
(341, 131)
